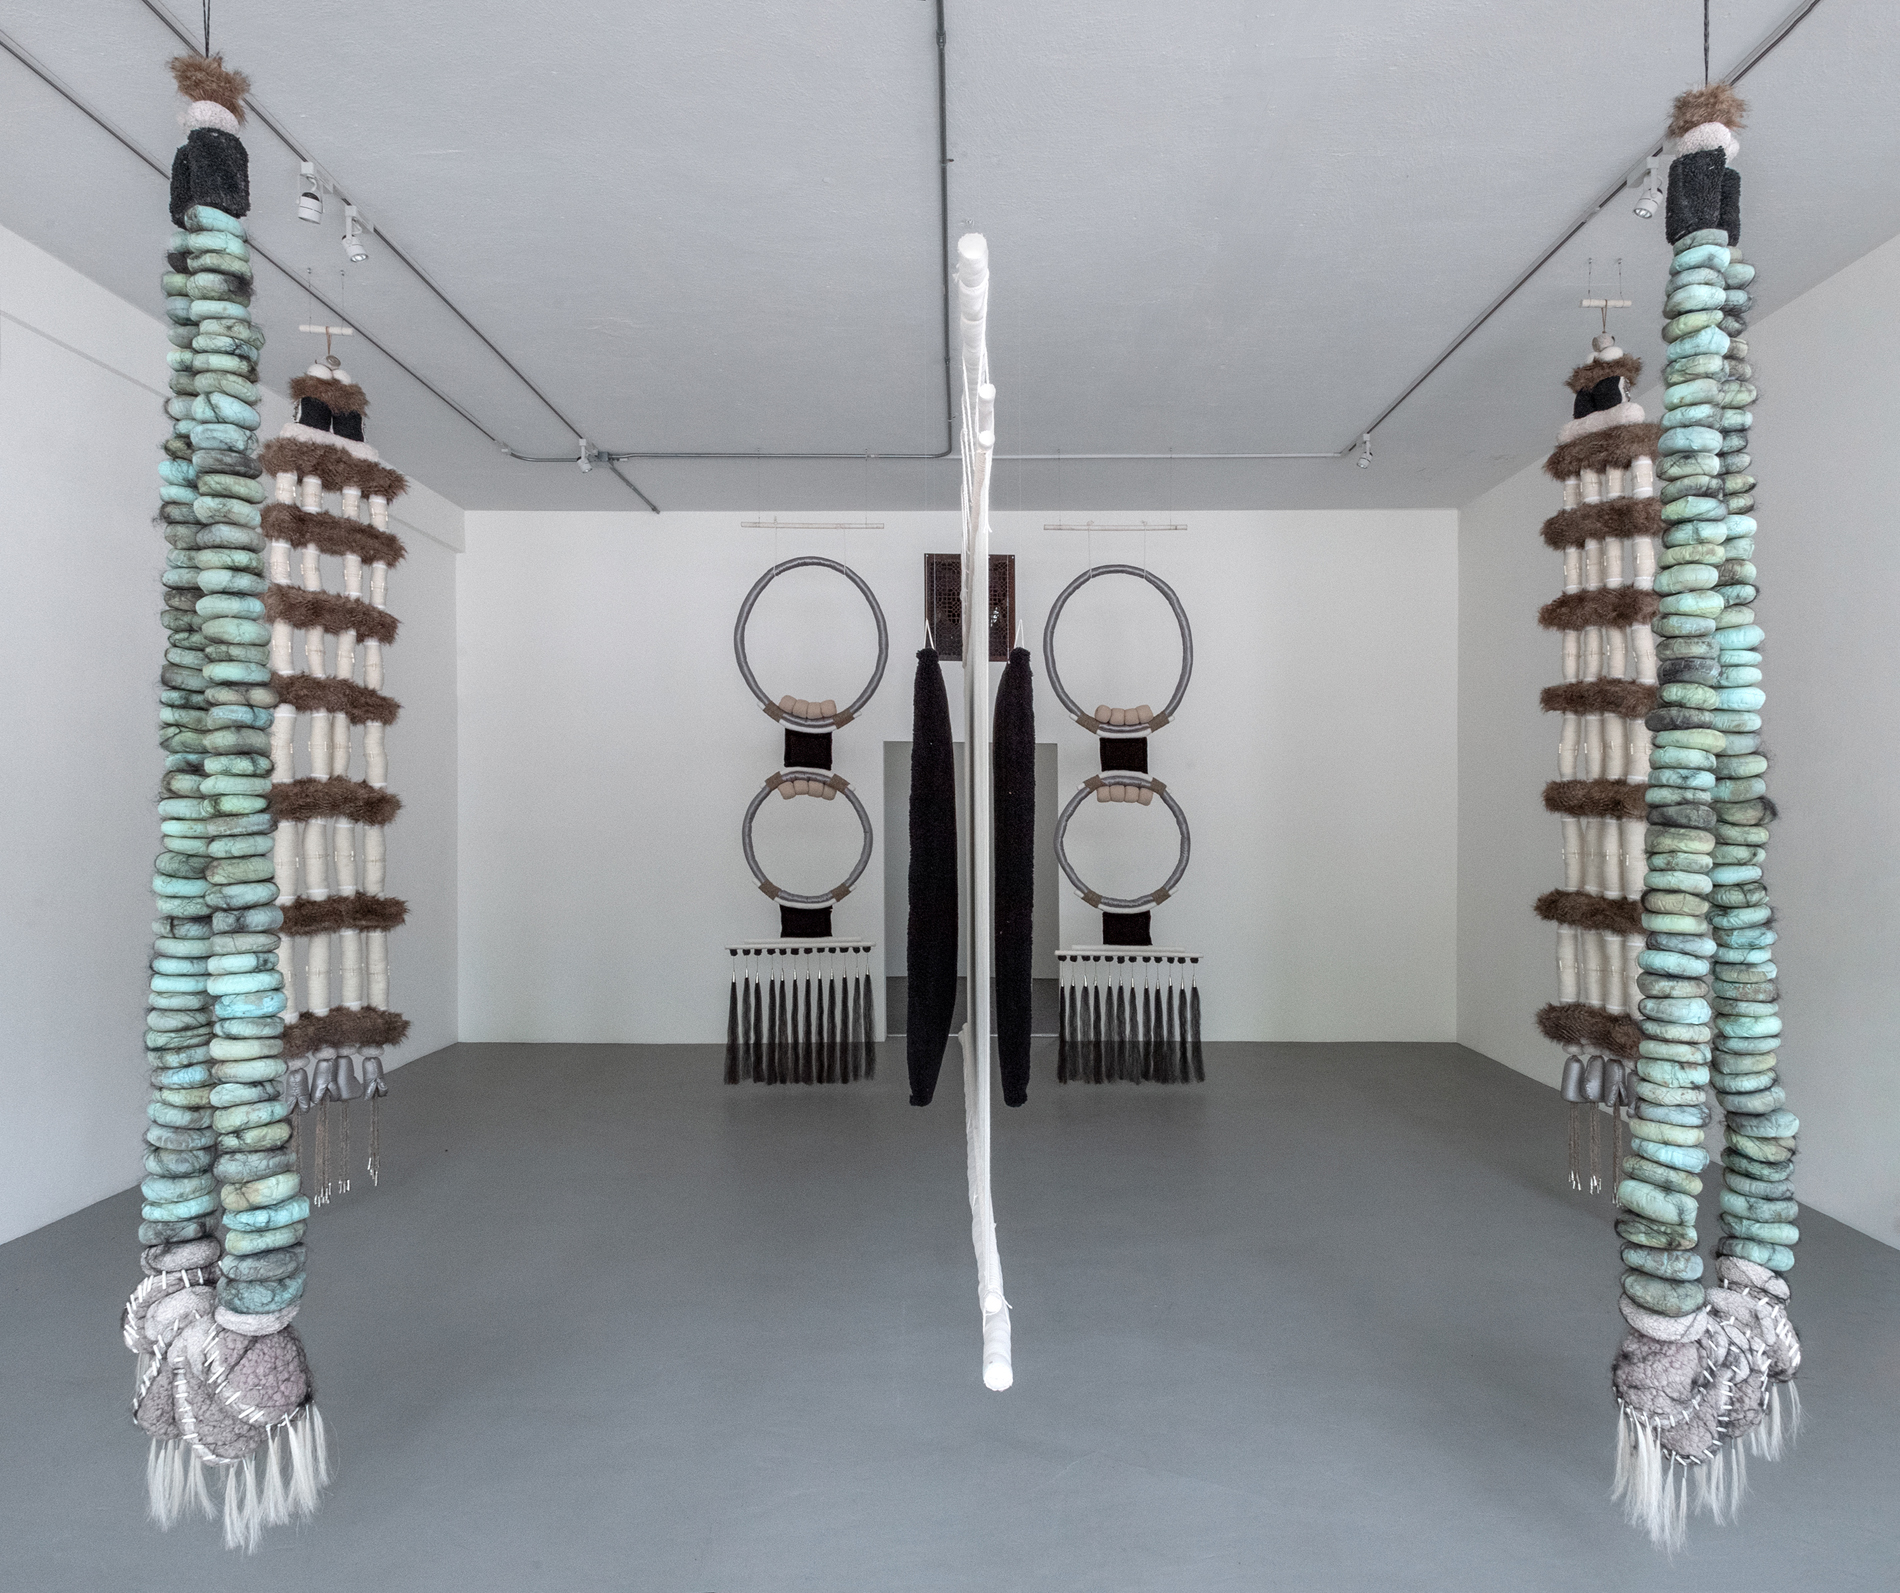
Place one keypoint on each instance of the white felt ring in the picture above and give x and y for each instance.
(1054, 679)
(831, 897)
(769, 704)
(1117, 904)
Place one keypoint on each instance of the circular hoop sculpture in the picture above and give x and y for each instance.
(844, 716)
(837, 893)
(1117, 904)
(1088, 721)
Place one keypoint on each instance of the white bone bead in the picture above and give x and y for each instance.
(379, 511)
(1643, 478)
(321, 747)
(1567, 748)
(283, 743)
(311, 494)
(343, 853)
(373, 665)
(349, 968)
(316, 860)
(374, 864)
(376, 951)
(286, 486)
(1568, 962)
(1573, 852)
(285, 844)
(375, 762)
(317, 975)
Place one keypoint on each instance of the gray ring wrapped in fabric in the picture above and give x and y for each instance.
(1118, 904)
(1085, 720)
(838, 892)
(843, 716)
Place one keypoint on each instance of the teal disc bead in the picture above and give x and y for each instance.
(1776, 1258)
(1681, 1265)
(1633, 1194)
(1710, 340)
(1663, 1296)
(249, 1244)
(260, 1218)
(179, 1210)
(216, 435)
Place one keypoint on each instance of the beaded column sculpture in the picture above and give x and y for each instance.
(1699, 1377)
(326, 652)
(223, 1385)
(1606, 531)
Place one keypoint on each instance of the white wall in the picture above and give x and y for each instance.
(82, 377)
(608, 749)
(1830, 565)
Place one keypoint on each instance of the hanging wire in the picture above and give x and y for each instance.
(1705, 43)
(207, 27)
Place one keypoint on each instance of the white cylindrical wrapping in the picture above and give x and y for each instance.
(1636, 765)
(1568, 741)
(1643, 478)
(353, 575)
(1592, 748)
(1613, 575)
(1573, 569)
(1592, 967)
(279, 562)
(379, 511)
(310, 494)
(340, 745)
(317, 974)
(1616, 746)
(373, 859)
(1591, 660)
(373, 664)
(285, 844)
(1609, 858)
(352, 500)
(1592, 564)
(320, 745)
(345, 667)
(286, 486)
(1573, 493)
(1613, 481)
(1632, 969)
(1616, 652)
(375, 760)
(1573, 655)
(1592, 857)
(1591, 482)
(1643, 654)
(349, 969)
(1573, 852)
(280, 659)
(283, 743)
(1612, 954)
(315, 884)
(1643, 562)
(1569, 963)
(378, 584)
(313, 665)
(1634, 862)
(343, 853)
(376, 961)
(310, 568)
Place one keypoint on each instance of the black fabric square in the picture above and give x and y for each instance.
(804, 923)
(347, 423)
(1585, 405)
(1732, 204)
(1695, 192)
(1127, 929)
(806, 749)
(1607, 394)
(1124, 752)
(314, 413)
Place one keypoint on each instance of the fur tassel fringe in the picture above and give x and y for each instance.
(281, 1482)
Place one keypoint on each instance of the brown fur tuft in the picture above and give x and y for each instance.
(368, 1029)
(331, 612)
(206, 77)
(331, 533)
(1628, 699)
(1565, 907)
(1614, 517)
(1590, 372)
(344, 912)
(344, 396)
(1574, 1023)
(335, 467)
(1583, 799)
(1714, 102)
(1610, 605)
(358, 704)
(1612, 448)
(293, 801)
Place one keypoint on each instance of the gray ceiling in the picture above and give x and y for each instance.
(1214, 224)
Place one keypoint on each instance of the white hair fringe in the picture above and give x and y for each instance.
(281, 1482)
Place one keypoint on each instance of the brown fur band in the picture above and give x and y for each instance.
(358, 704)
(333, 466)
(1559, 907)
(1575, 611)
(344, 397)
(1571, 528)
(293, 801)
(1628, 699)
(329, 611)
(344, 912)
(369, 1029)
(1590, 372)
(332, 534)
(1594, 799)
(1574, 1023)
(206, 77)
(1714, 102)
(1612, 448)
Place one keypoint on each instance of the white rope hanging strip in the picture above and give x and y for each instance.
(979, 441)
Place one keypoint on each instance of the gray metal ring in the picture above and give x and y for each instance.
(846, 715)
(838, 893)
(1120, 904)
(1085, 720)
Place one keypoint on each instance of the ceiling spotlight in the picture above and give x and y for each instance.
(588, 454)
(1365, 456)
(352, 241)
(310, 195)
(1651, 199)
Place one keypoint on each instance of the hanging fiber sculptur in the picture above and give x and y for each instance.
(223, 1384)
(801, 1009)
(1700, 1375)
(331, 858)
(931, 930)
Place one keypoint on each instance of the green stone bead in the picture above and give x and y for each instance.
(1777, 1258)
(239, 1243)
(1643, 1198)
(1664, 1177)
(1663, 1296)
(1656, 1235)
(263, 1218)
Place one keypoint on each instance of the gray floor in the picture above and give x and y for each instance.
(1328, 1322)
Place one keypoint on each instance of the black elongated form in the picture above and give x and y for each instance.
(210, 168)
(1013, 773)
(931, 934)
